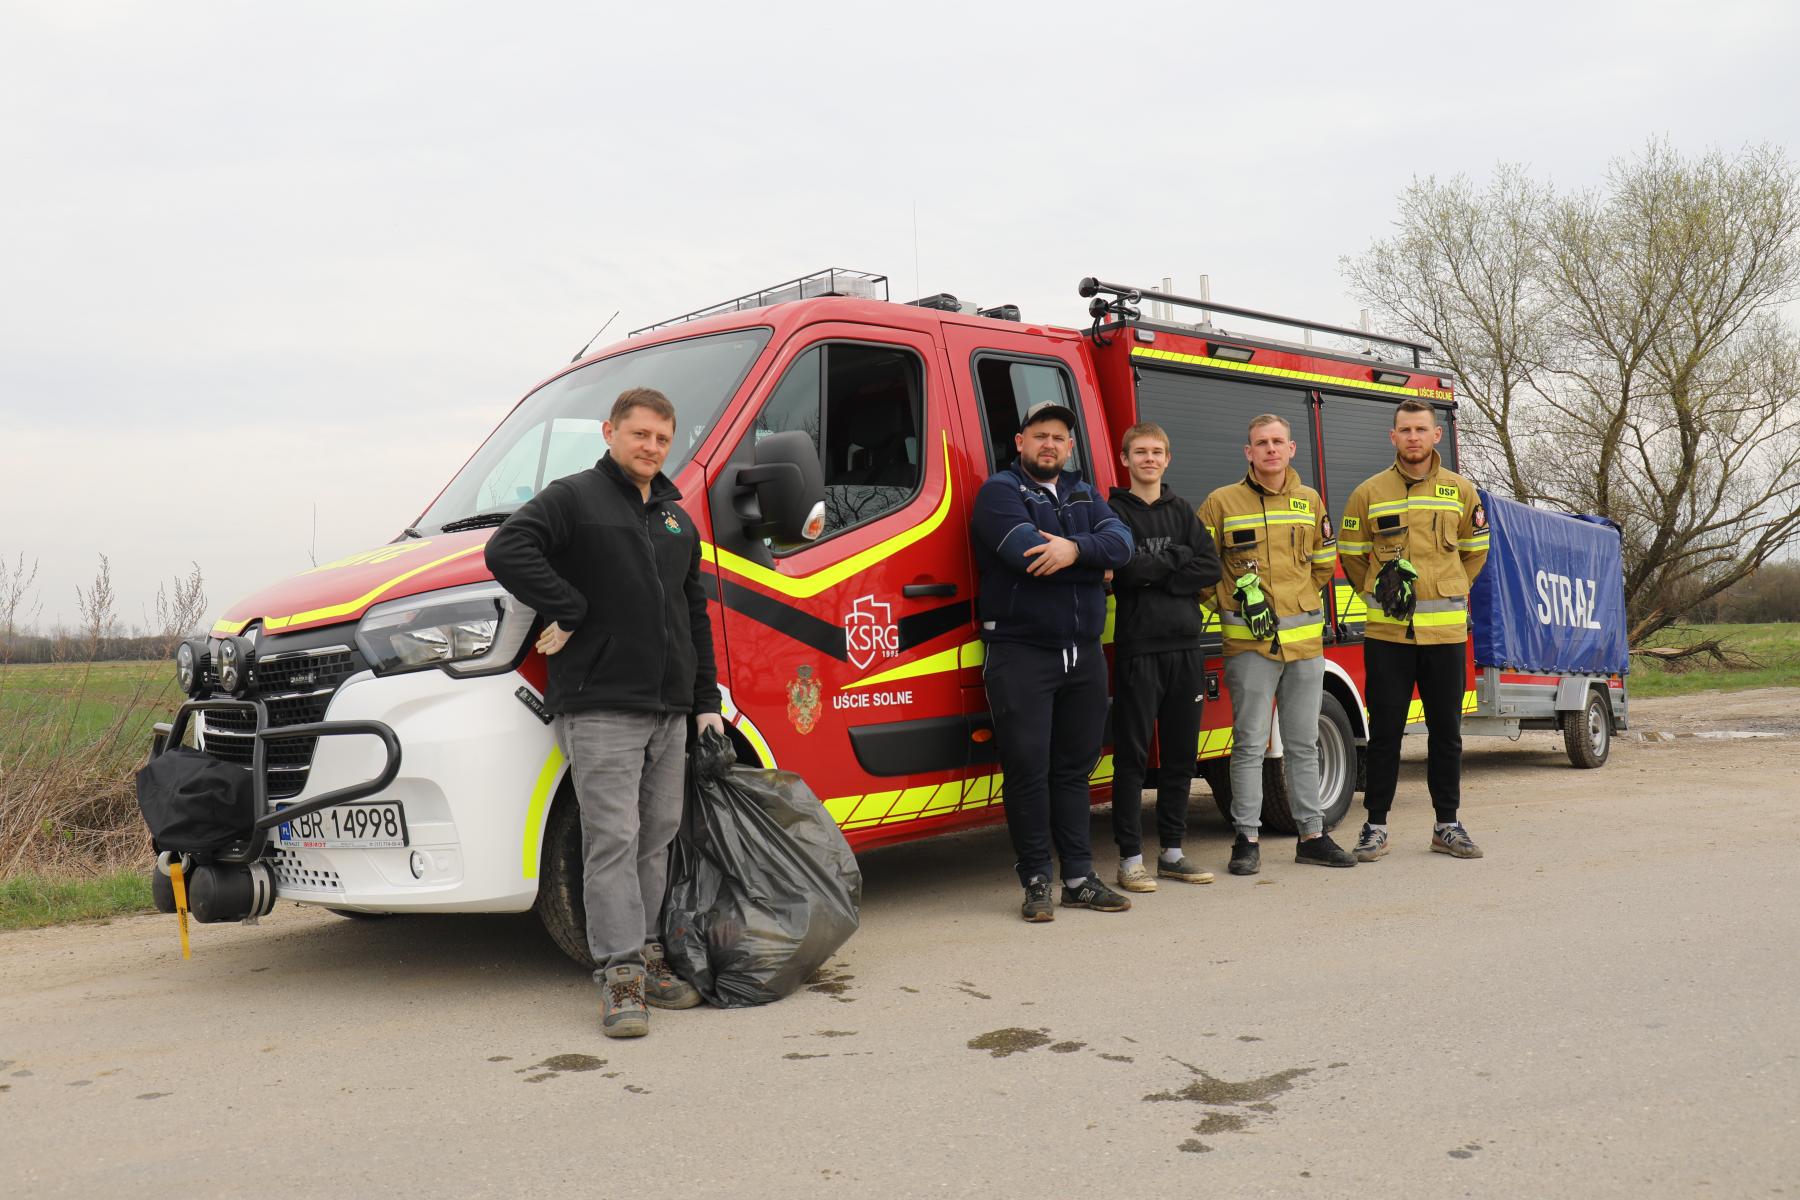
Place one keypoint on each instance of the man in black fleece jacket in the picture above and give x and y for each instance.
(1159, 670)
(613, 562)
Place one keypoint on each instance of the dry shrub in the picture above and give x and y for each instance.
(67, 795)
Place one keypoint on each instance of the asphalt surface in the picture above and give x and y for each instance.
(1603, 1006)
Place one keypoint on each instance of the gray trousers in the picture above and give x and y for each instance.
(1294, 690)
(628, 769)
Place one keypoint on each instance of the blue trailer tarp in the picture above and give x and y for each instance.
(1552, 595)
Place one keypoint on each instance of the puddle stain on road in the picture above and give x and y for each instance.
(1118, 1058)
(1067, 1047)
(1467, 1151)
(1253, 1094)
(1194, 1146)
(967, 988)
(153, 1095)
(796, 1056)
(558, 1064)
(1011, 1040)
(826, 983)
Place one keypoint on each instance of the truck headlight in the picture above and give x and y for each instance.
(473, 630)
(188, 674)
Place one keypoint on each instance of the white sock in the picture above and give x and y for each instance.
(1136, 860)
(1443, 825)
(1171, 854)
(1075, 882)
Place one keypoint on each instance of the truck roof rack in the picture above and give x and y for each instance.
(1125, 296)
(832, 281)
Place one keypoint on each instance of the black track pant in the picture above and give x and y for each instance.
(1163, 692)
(1049, 711)
(1391, 671)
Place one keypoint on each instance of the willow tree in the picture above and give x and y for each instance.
(1620, 351)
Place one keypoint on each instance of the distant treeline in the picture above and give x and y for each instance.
(78, 647)
(1771, 594)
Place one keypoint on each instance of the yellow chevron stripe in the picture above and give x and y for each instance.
(1367, 385)
(348, 607)
(534, 812)
(804, 586)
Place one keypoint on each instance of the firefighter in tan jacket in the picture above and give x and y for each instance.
(1414, 538)
(1276, 542)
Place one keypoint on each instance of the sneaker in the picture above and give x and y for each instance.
(1454, 840)
(622, 1011)
(1246, 857)
(663, 988)
(1095, 895)
(1371, 844)
(1136, 879)
(1037, 900)
(1184, 870)
(1323, 852)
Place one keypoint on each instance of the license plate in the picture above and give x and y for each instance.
(347, 826)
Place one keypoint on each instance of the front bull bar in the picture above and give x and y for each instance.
(267, 817)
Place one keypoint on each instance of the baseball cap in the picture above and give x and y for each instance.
(1046, 409)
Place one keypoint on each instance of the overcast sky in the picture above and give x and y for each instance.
(258, 259)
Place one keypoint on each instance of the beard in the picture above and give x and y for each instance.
(1040, 472)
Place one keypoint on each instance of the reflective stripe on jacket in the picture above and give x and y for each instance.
(1285, 538)
(1437, 524)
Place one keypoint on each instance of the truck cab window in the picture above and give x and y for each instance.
(863, 407)
(1009, 386)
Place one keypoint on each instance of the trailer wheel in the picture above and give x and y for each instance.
(1587, 732)
(559, 902)
(1337, 775)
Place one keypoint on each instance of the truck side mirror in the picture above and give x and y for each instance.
(782, 494)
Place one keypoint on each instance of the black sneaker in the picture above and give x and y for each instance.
(1323, 852)
(1037, 900)
(1246, 857)
(1095, 895)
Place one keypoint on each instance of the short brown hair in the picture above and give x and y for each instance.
(642, 397)
(1144, 429)
(1258, 422)
(1413, 404)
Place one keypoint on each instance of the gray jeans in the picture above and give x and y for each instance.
(628, 769)
(1294, 690)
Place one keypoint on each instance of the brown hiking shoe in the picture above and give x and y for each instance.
(663, 988)
(622, 1010)
(1136, 879)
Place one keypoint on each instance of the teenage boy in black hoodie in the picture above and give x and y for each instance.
(1159, 670)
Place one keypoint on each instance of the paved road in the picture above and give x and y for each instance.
(1604, 1006)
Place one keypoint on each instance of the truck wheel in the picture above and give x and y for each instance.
(1337, 775)
(559, 900)
(1587, 732)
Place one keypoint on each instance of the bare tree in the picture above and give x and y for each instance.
(179, 608)
(1620, 352)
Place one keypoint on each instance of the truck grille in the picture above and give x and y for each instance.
(295, 687)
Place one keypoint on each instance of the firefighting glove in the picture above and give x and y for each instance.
(1394, 589)
(1255, 608)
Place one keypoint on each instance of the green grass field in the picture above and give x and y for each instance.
(32, 901)
(1775, 646)
(44, 707)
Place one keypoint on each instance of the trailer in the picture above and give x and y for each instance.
(1547, 629)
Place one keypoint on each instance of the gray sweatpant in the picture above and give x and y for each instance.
(628, 769)
(1294, 690)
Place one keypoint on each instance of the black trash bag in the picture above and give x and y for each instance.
(763, 888)
(193, 803)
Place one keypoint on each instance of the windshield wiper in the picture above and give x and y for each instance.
(478, 521)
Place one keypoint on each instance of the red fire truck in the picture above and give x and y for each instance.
(389, 704)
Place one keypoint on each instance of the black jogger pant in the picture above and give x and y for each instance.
(1391, 670)
(1163, 692)
(1049, 711)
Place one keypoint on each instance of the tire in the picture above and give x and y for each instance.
(559, 905)
(1337, 775)
(1587, 732)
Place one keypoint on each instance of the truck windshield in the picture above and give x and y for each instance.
(555, 431)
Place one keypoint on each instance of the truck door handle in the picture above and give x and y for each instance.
(913, 591)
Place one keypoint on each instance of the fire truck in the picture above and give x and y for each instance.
(388, 705)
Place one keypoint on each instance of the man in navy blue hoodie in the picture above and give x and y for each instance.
(1043, 544)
